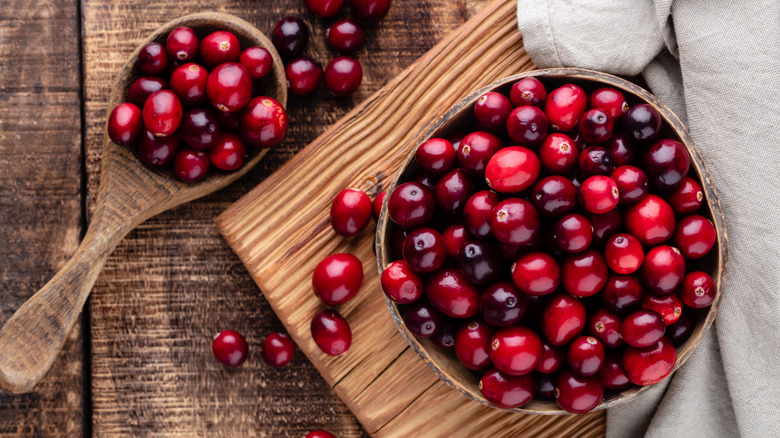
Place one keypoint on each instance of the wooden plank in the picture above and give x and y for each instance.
(40, 192)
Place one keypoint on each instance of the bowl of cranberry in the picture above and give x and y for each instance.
(554, 244)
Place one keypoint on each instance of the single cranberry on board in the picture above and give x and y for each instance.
(400, 283)
(578, 394)
(350, 212)
(507, 391)
(162, 113)
(450, 292)
(611, 100)
(599, 194)
(481, 262)
(199, 129)
(605, 326)
(303, 75)
(369, 10)
(343, 76)
(289, 36)
(277, 350)
(346, 36)
(502, 305)
(219, 47)
(229, 87)
(536, 273)
(552, 358)
(554, 196)
(331, 332)
(435, 155)
(230, 348)
(663, 269)
(515, 222)
(182, 44)
(319, 434)
(142, 88)
(624, 253)
(564, 106)
(668, 306)
(189, 83)
(124, 123)
(698, 290)
(642, 328)
(651, 220)
(324, 8)
(649, 365)
(410, 205)
(229, 152)
(376, 205)
(157, 151)
(585, 356)
(190, 165)
(257, 60)
(472, 344)
(153, 59)
(515, 350)
(528, 91)
(563, 319)
(492, 111)
(527, 126)
(585, 273)
(694, 236)
(424, 250)
(641, 123)
(512, 169)
(337, 278)
(264, 122)
(422, 319)
(558, 154)
(573, 233)
(478, 211)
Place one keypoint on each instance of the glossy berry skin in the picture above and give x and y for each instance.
(124, 123)
(257, 60)
(472, 345)
(554, 196)
(650, 365)
(651, 220)
(515, 222)
(584, 274)
(263, 122)
(687, 197)
(324, 8)
(142, 88)
(445, 335)
(681, 330)
(478, 211)
(480, 262)
(229, 152)
(595, 160)
(331, 332)
(190, 165)
(604, 325)
(585, 356)
(189, 83)
(558, 154)
(199, 129)
(182, 44)
(157, 151)
(623, 152)
(599, 194)
(230, 348)
(528, 91)
(667, 162)
(424, 250)
(573, 233)
(343, 76)
(452, 294)
(552, 358)
(376, 205)
(605, 225)
(515, 350)
(346, 36)
(219, 47)
(319, 434)
(229, 87)
(411, 205)
(563, 319)
(612, 375)
(694, 236)
(435, 155)
(290, 36)
(506, 391)
(578, 394)
(426, 179)
(595, 126)
(642, 328)
(492, 111)
(545, 386)
(422, 319)
(475, 151)
(396, 241)
(369, 10)
(663, 269)
(536, 273)
(632, 184)
(668, 306)
(622, 293)
(350, 212)
(502, 304)
(162, 113)
(624, 253)
(698, 290)
(152, 59)
(453, 190)
(641, 123)
(512, 169)
(400, 283)
(527, 126)
(564, 106)
(278, 350)
(610, 100)
(337, 278)
(303, 75)
(455, 237)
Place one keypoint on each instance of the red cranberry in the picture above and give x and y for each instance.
(343, 76)
(515, 350)
(695, 235)
(563, 319)
(410, 205)
(142, 88)
(453, 190)
(199, 129)
(545, 386)
(435, 155)
(264, 122)
(605, 225)
(585, 356)
(278, 350)
(324, 8)
(376, 205)
(229, 121)
(182, 44)
(612, 375)
(687, 197)
(552, 359)
(319, 434)
(475, 151)
(480, 262)
(303, 75)
(554, 196)
(331, 332)
(189, 83)
(564, 106)
(346, 36)
(663, 269)
(595, 126)
(502, 304)
(605, 326)
(578, 394)
(454, 238)
(558, 154)
(229, 87)
(622, 293)
(624, 253)
(641, 123)
(651, 220)
(124, 123)
(642, 328)
(230, 348)
(515, 222)
(681, 330)
(424, 250)
(667, 163)
(190, 165)
(595, 160)
(162, 113)
(573, 233)
(492, 111)
(478, 211)
(507, 391)
(527, 126)
(219, 47)
(450, 292)
(698, 290)
(579, 142)
(632, 184)
(599, 194)
(290, 36)
(337, 278)
(668, 306)
(584, 274)
(350, 212)
(610, 100)
(647, 366)
(400, 283)
(445, 336)
(258, 61)
(623, 153)
(426, 179)
(157, 151)
(528, 91)
(370, 10)
(512, 169)
(422, 319)
(536, 273)
(229, 152)
(472, 343)
(152, 59)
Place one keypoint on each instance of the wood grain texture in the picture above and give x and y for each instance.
(280, 231)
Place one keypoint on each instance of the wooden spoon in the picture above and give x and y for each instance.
(129, 194)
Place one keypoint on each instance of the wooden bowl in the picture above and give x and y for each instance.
(444, 363)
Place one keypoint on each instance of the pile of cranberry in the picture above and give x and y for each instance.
(556, 248)
(201, 94)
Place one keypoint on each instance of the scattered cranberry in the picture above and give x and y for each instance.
(642, 328)
(668, 306)
(507, 391)
(475, 151)
(563, 319)
(453, 190)
(190, 165)
(528, 91)
(472, 345)
(694, 236)
(454, 238)
(324, 8)
(422, 319)
(346, 36)
(564, 106)
(610, 100)
(595, 125)
(303, 75)
(558, 154)
(219, 47)
(424, 250)
(337, 278)
(142, 88)
(230, 348)
(698, 290)
(605, 326)
(578, 394)
(162, 113)
(624, 253)
(278, 350)
(527, 126)
(152, 59)
(515, 350)
(612, 375)
(189, 83)
(646, 366)
(573, 233)
(667, 163)
(400, 283)
(124, 123)
(350, 212)
(343, 76)
(622, 293)
(199, 129)
(663, 269)
(651, 220)
(331, 332)
(599, 194)
(584, 274)
(258, 61)
(435, 155)
(492, 111)
(370, 10)
(290, 36)
(554, 196)
(410, 205)
(450, 292)
(585, 356)
(264, 122)
(229, 152)
(552, 358)
(502, 304)
(687, 197)
(157, 151)
(229, 87)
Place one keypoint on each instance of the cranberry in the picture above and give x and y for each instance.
(190, 165)
(687, 197)
(410, 205)
(512, 169)
(189, 83)
(515, 222)
(142, 88)
(595, 126)
(595, 160)
(585, 356)
(545, 386)
(641, 123)
(573, 233)
(695, 235)
(162, 113)
(612, 374)
(199, 129)
(278, 350)
(370, 10)
(258, 61)
(554, 196)
(642, 328)
(219, 47)
(450, 292)
(435, 155)
(157, 151)
(124, 123)
(229, 152)
(622, 293)
(324, 8)
(663, 269)
(346, 36)
(453, 190)
(229, 87)
(579, 142)
(610, 100)
(426, 179)
(303, 75)
(152, 59)
(454, 238)
(527, 126)
(515, 350)
(319, 434)
(536, 273)
(698, 290)
(605, 326)
(528, 91)
(564, 106)
(667, 163)
(668, 306)
(558, 154)
(343, 76)
(511, 252)
(563, 319)
(681, 330)
(477, 213)
(424, 250)
(502, 304)
(376, 205)
(584, 274)
(605, 225)
(599, 194)
(647, 366)
(290, 36)
(337, 278)
(264, 122)
(182, 44)
(331, 332)
(578, 394)
(400, 283)
(480, 262)
(475, 151)
(632, 184)
(229, 121)
(230, 348)
(507, 391)
(623, 153)
(651, 220)
(624, 253)
(445, 336)
(492, 111)
(422, 319)
(552, 359)
(472, 343)
(350, 212)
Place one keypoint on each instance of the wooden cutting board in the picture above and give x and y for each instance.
(281, 230)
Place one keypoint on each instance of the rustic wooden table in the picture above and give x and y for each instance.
(139, 363)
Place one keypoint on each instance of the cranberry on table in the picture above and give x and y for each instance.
(478, 211)
(605, 326)
(376, 205)
(475, 151)
(492, 111)
(573, 233)
(400, 283)
(257, 60)
(455, 237)
(595, 125)
(350, 212)
(502, 304)
(578, 394)
(605, 225)
(624, 253)
(472, 345)
(263, 122)
(667, 162)
(687, 197)
(599, 194)
(369, 10)
(558, 154)
(694, 236)
(528, 91)
(622, 293)
(142, 88)
(435, 155)
(663, 269)
(527, 126)
(199, 129)
(650, 365)
(536, 273)
(642, 123)
(642, 328)
(554, 195)
(632, 184)
(319, 434)
(450, 292)
(219, 47)
(651, 220)
(507, 391)
(331, 332)
(563, 319)
(515, 350)
(552, 358)
(346, 36)
(611, 100)
(515, 222)
(124, 123)
(668, 306)
(337, 278)
(230, 348)
(612, 375)
(585, 356)
(278, 350)
(229, 87)
(595, 160)
(303, 75)
(343, 76)
(512, 169)
(411, 205)
(324, 8)
(422, 319)
(623, 152)
(157, 151)
(564, 106)
(190, 165)
(182, 44)
(229, 152)
(480, 262)
(424, 250)
(698, 290)
(681, 330)
(290, 36)
(152, 59)
(585, 273)
(453, 190)
(189, 83)
(162, 113)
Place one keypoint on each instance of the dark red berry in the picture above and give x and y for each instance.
(668, 306)
(331, 332)
(199, 129)
(512, 169)
(563, 319)
(515, 350)
(369, 10)
(622, 293)
(515, 222)
(536, 273)
(189, 83)
(595, 125)
(435, 155)
(350, 212)
(278, 350)
(182, 44)
(687, 197)
(410, 205)
(290, 36)
(258, 61)
(694, 236)
(450, 292)
(445, 335)
(507, 391)
(527, 126)
(610, 100)
(552, 358)
(455, 237)
(502, 304)
(229, 87)
(528, 91)
(663, 269)
(585, 273)
(343, 76)
(303, 75)
(346, 36)
(595, 160)
(605, 225)
(229, 121)
(666, 162)
(681, 330)
(219, 47)
(472, 345)
(190, 165)
(623, 152)
(642, 328)
(558, 154)
(554, 196)
(545, 386)
(605, 326)
(424, 250)
(651, 220)
(157, 151)
(376, 205)
(698, 290)
(324, 8)
(647, 366)
(263, 122)
(612, 375)
(632, 184)
(152, 59)
(230, 348)
(573, 233)
(422, 319)
(641, 123)
(578, 394)
(142, 88)
(400, 283)
(478, 211)
(492, 111)
(564, 106)
(599, 194)
(624, 253)
(396, 241)
(162, 113)
(453, 190)
(475, 152)
(480, 262)
(229, 152)
(585, 356)
(124, 123)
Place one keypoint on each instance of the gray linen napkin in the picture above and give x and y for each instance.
(716, 63)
